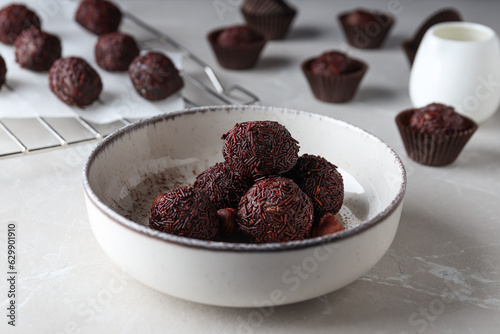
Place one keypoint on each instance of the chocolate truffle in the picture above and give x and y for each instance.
(98, 16)
(333, 76)
(275, 210)
(236, 47)
(3, 71)
(436, 118)
(185, 211)
(224, 187)
(13, 20)
(74, 81)
(154, 76)
(366, 29)
(321, 181)
(37, 50)
(434, 135)
(259, 148)
(272, 18)
(238, 35)
(115, 51)
(332, 63)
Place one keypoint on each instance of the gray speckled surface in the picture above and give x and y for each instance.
(439, 276)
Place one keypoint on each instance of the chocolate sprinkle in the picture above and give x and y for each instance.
(275, 210)
(260, 148)
(224, 187)
(185, 211)
(321, 181)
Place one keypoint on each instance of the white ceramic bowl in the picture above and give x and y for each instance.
(131, 166)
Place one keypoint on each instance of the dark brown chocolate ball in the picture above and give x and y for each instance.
(224, 187)
(238, 36)
(13, 20)
(360, 18)
(154, 76)
(321, 181)
(185, 211)
(436, 118)
(259, 148)
(115, 51)
(74, 81)
(331, 62)
(3, 71)
(37, 50)
(275, 210)
(98, 16)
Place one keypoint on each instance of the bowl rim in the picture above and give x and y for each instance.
(225, 246)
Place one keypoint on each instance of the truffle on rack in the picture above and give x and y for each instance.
(37, 50)
(74, 81)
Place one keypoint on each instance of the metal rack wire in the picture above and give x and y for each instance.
(20, 137)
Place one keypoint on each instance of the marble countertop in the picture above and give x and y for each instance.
(440, 275)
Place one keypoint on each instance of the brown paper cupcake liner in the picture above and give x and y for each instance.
(367, 37)
(433, 149)
(334, 88)
(271, 26)
(411, 46)
(236, 57)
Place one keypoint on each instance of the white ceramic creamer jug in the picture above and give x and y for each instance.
(458, 63)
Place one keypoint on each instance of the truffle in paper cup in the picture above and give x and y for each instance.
(433, 149)
(274, 26)
(237, 57)
(370, 35)
(338, 88)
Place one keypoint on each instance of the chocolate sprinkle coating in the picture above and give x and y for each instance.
(185, 211)
(98, 16)
(115, 51)
(224, 187)
(37, 50)
(275, 210)
(436, 118)
(74, 81)
(14, 19)
(3, 71)
(259, 148)
(321, 181)
(154, 76)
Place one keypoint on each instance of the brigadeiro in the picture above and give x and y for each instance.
(435, 134)
(115, 51)
(154, 76)
(74, 81)
(321, 181)
(275, 210)
(3, 71)
(98, 16)
(185, 211)
(37, 50)
(259, 148)
(14, 19)
(334, 77)
(272, 18)
(444, 15)
(366, 29)
(236, 47)
(224, 187)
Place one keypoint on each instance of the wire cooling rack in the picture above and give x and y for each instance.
(21, 136)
